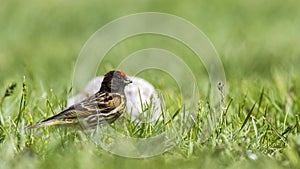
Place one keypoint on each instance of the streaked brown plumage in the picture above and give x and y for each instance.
(105, 106)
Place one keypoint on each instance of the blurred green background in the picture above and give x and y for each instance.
(42, 39)
(257, 40)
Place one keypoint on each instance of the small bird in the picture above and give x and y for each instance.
(105, 106)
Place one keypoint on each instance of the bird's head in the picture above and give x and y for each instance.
(114, 81)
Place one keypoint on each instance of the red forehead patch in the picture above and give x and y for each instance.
(122, 73)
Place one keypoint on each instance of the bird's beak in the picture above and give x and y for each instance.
(127, 81)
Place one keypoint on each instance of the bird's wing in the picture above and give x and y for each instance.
(105, 108)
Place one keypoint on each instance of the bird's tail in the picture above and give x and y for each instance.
(48, 123)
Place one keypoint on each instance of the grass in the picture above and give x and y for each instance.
(251, 132)
(259, 120)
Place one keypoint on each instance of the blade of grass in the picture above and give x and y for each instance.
(247, 117)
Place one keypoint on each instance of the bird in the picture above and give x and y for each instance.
(105, 106)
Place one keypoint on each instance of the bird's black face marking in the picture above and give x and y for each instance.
(114, 81)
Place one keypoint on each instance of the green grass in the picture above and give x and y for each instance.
(259, 120)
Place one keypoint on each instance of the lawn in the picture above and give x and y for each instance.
(257, 124)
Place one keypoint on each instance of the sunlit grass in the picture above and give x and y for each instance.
(257, 128)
